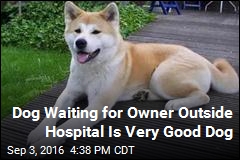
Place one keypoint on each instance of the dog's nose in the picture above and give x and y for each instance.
(81, 43)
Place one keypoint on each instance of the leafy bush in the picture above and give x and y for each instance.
(132, 18)
(8, 12)
(42, 23)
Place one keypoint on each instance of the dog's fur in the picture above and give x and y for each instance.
(123, 71)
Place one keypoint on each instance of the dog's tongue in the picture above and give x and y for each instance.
(82, 58)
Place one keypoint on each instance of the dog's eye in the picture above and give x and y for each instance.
(96, 32)
(78, 30)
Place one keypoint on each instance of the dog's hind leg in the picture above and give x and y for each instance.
(196, 98)
(185, 85)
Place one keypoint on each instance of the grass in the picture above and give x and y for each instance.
(26, 73)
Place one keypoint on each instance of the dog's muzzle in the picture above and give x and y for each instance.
(84, 57)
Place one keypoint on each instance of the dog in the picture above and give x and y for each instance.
(108, 69)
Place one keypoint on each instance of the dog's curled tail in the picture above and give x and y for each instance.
(224, 77)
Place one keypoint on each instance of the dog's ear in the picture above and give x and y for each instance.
(111, 14)
(71, 11)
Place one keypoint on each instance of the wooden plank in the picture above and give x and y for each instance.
(184, 43)
(191, 24)
(192, 29)
(184, 30)
(222, 35)
(203, 17)
(198, 38)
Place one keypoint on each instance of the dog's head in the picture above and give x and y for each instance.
(91, 36)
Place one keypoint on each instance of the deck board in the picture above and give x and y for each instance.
(210, 34)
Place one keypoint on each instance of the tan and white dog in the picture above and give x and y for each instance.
(108, 69)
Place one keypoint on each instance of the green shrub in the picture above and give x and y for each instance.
(132, 18)
(42, 24)
(8, 12)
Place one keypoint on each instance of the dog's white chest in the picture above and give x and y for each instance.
(89, 78)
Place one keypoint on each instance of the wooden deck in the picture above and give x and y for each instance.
(212, 35)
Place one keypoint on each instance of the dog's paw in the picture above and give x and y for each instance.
(141, 95)
(40, 131)
(35, 135)
(32, 155)
(173, 105)
(34, 152)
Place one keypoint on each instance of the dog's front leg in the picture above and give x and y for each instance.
(66, 99)
(95, 103)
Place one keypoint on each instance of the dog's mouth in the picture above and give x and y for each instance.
(84, 57)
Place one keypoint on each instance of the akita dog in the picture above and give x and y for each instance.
(108, 69)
